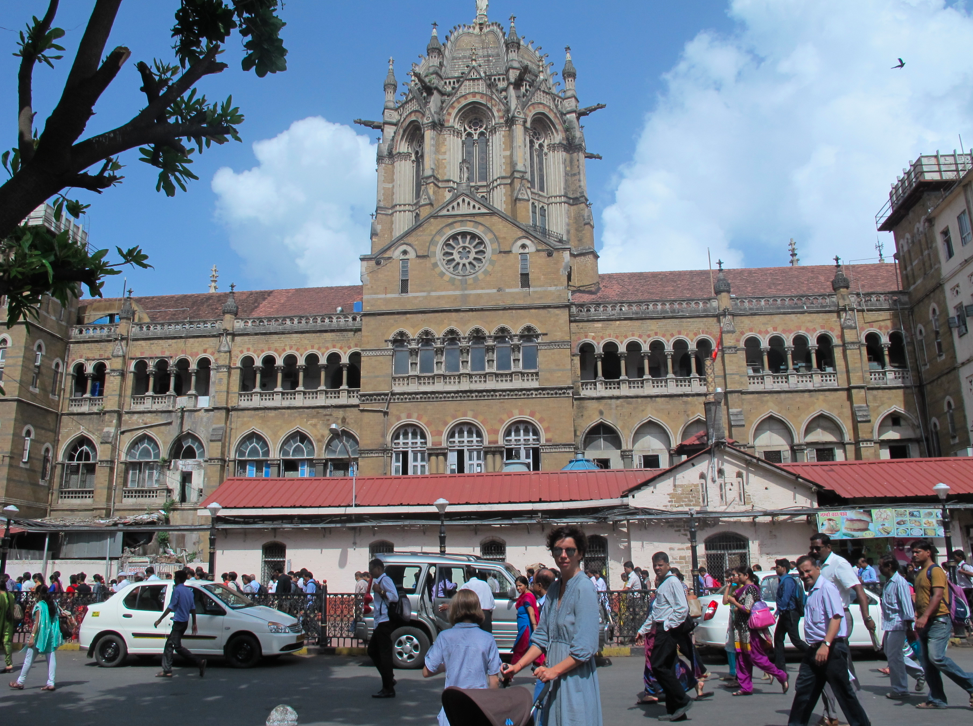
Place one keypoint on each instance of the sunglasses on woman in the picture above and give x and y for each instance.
(569, 551)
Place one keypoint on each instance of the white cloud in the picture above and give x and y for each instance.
(794, 125)
(300, 217)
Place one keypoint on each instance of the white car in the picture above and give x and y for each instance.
(711, 628)
(228, 623)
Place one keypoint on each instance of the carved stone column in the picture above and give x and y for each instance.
(278, 376)
(763, 354)
(344, 375)
(790, 357)
(669, 373)
(322, 381)
(598, 368)
(645, 357)
(300, 377)
(192, 385)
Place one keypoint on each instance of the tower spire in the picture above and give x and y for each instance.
(792, 247)
(214, 275)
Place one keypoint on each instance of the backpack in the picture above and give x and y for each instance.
(801, 598)
(400, 611)
(959, 606)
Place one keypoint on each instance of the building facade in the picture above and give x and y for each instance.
(482, 337)
(929, 213)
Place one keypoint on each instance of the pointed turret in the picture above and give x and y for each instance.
(230, 307)
(840, 281)
(127, 311)
(722, 285)
(434, 45)
(569, 74)
(390, 85)
(513, 40)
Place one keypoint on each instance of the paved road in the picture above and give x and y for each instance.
(337, 690)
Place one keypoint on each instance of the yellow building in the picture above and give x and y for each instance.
(482, 336)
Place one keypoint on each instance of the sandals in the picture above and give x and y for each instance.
(646, 700)
(930, 705)
(742, 693)
(48, 688)
(883, 671)
(16, 686)
(786, 685)
(163, 674)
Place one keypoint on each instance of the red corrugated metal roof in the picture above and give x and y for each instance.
(401, 491)
(889, 478)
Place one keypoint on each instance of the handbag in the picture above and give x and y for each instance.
(67, 623)
(761, 616)
(695, 606)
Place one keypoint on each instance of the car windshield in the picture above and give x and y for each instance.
(230, 598)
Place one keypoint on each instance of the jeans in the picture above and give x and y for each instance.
(174, 645)
(664, 668)
(812, 678)
(32, 653)
(380, 651)
(935, 637)
(787, 621)
(894, 648)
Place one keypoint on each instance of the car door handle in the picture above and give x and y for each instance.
(126, 615)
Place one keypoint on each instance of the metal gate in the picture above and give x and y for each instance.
(724, 551)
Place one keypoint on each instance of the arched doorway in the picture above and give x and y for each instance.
(274, 556)
(726, 550)
(597, 555)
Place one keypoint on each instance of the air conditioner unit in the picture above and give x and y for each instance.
(953, 321)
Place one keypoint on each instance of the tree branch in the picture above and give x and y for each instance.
(205, 66)
(25, 116)
(93, 42)
(91, 151)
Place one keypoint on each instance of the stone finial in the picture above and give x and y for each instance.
(434, 44)
(569, 69)
(282, 716)
(792, 248)
(128, 309)
(390, 82)
(214, 275)
(230, 307)
(512, 38)
(722, 284)
(840, 281)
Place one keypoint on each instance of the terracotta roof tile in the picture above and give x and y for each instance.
(252, 303)
(399, 491)
(745, 282)
(889, 478)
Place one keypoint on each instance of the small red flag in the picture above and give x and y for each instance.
(719, 344)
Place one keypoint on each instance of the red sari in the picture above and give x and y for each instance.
(524, 605)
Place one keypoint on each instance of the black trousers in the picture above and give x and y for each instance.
(380, 651)
(684, 642)
(174, 645)
(787, 627)
(487, 623)
(812, 678)
(664, 657)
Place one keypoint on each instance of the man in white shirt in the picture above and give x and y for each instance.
(380, 646)
(122, 582)
(633, 581)
(840, 573)
(670, 610)
(483, 591)
(150, 574)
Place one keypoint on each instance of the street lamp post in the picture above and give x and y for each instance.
(441, 505)
(942, 491)
(8, 512)
(214, 510)
(336, 431)
(693, 550)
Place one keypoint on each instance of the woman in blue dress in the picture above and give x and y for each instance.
(568, 636)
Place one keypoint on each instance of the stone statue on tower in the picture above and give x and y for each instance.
(481, 8)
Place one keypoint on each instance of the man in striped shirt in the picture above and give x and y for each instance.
(898, 616)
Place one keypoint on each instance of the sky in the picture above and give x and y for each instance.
(731, 127)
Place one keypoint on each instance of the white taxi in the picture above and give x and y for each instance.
(228, 624)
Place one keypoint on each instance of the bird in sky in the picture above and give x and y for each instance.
(901, 64)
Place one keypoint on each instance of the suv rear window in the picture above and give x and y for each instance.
(405, 577)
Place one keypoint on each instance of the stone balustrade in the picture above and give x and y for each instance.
(298, 398)
(644, 386)
(337, 321)
(465, 380)
(85, 404)
(91, 332)
(150, 493)
(890, 377)
(768, 381)
(75, 494)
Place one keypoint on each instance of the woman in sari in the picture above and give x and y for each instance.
(750, 647)
(527, 616)
(45, 638)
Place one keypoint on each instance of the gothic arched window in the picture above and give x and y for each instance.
(476, 147)
(297, 455)
(144, 465)
(537, 157)
(416, 154)
(522, 445)
(253, 456)
(79, 465)
(465, 450)
(409, 451)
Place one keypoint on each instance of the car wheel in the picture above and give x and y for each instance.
(409, 647)
(243, 651)
(110, 651)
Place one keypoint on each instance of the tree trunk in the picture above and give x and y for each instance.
(22, 194)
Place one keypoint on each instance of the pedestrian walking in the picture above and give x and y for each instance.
(567, 635)
(935, 627)
(790, 608)
(380, 646)
(45, 637)
(467, 654)
(964, 574)
(670, 613)
(7, 601)
(898, 619)
(485, 593)
(825, 661)
(839, 572)
(182, 605)
(750, 642)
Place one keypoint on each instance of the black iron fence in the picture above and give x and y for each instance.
(74, 603)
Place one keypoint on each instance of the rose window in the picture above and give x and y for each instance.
(464, 253)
